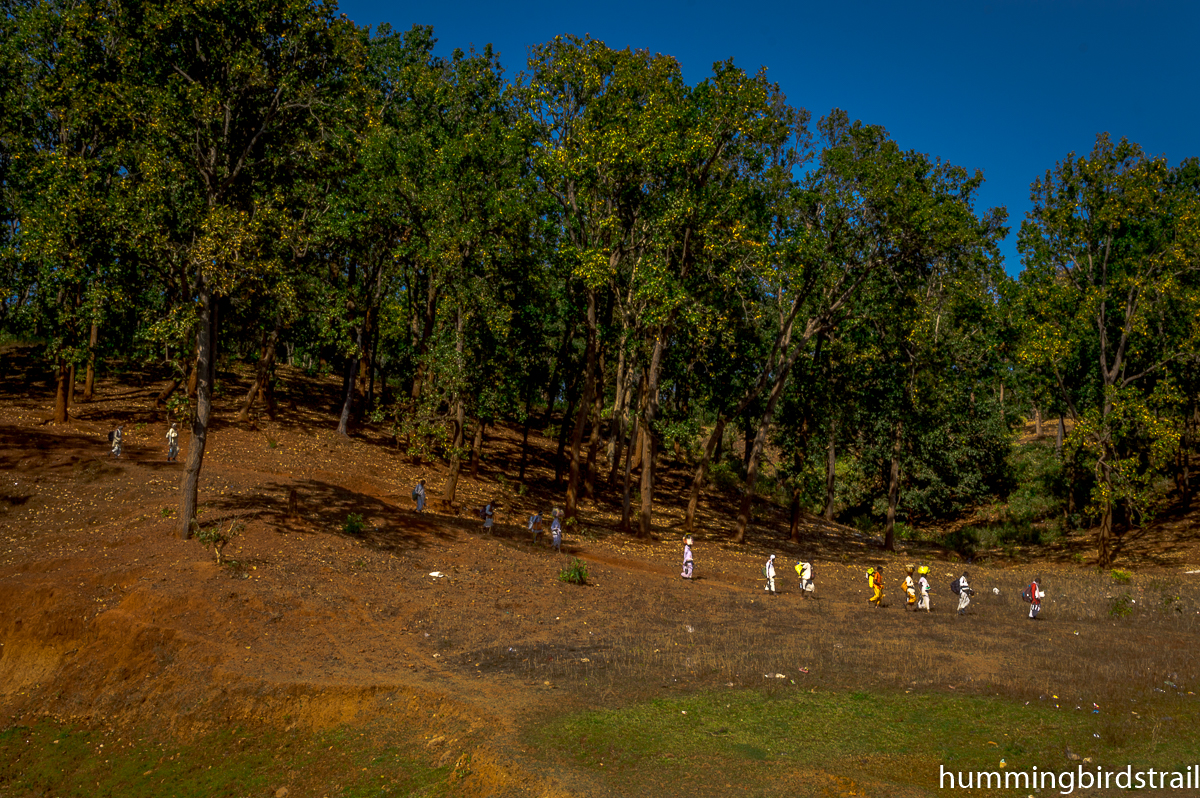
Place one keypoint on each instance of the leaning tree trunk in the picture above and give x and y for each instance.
(266, 361)
(206, 347)
(689, 519)
(89, 382)
(476, 449)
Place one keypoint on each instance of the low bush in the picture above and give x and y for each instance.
(576, 573)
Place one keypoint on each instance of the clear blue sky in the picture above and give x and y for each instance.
(1006, 86)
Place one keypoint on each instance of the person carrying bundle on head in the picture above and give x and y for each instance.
(923, 585)
(910, 590)
(804, 571)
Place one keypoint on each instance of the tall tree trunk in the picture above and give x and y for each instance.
(756, 450)
(423, 336)
(567, 424)
(193, 377)
(556, 375)
(626, 501)
(459, 417)
(455, 459)
(617, 430)
(620, 424)
(648, 447)
(266, 360)
(1037, 422)
(60, 392)
(831, 470)
(476, 449)
(89, 382)
(593, 451)
(1058, 441)
(1105, 536)
(525, 434)
(889, 527)
(586, 404)
(689, 519)
(205, 369)
(794, 522)
(349, 383)
(70, 388)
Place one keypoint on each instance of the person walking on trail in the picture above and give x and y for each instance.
(418, 495)
(114, 438)
(1036, 594)
(173, 443)
(923, 586)
(875, 580)
(769, 573)
(535, 525)
(556, 531)
(804, 571)
(910, 590)
(964, 592)
(489, 516)
(687, 558)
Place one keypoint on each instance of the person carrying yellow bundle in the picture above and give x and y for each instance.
(875, 580)
(804, 571)
(910, 590)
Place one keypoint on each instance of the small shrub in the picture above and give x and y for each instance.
(354, 524)
(1120, 606)
(1120, 576)
(272, 443)
(216, 537)
(575, 573)
(165, 512)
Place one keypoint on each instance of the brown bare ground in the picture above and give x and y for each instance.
(108, 618)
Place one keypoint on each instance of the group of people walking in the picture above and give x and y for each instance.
(916, 584)
(487, 514)
(116, 442)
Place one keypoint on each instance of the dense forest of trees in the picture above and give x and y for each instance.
(656, 267)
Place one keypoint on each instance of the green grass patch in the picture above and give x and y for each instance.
(746, 741)
(52, 759)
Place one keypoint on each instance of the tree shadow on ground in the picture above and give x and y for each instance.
(326, 508)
